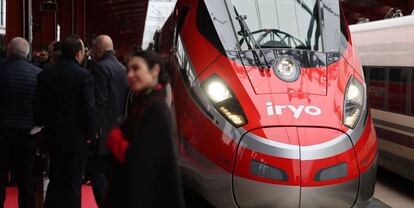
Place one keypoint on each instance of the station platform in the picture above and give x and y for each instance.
(88, 200)
(391, 191)
(394, 190)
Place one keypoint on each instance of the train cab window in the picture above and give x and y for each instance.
(397, 90)
(181, 18)
(344, 30)
(206, 27)
(279, 24)
(376, 87)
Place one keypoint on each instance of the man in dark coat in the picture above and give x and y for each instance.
(17, 90)
(65, 105)
(110, 92)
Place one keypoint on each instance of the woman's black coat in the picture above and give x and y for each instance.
(149, 178)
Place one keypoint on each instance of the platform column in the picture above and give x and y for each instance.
(16, 19)
(65, 17)
(71, 15)
(79, 19)
(44, 26)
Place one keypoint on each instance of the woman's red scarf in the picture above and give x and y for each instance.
(116, 141)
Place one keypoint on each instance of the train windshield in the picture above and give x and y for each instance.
(292, 24)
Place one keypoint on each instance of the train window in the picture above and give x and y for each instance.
(397, 90)
(186, 68)
(334, 21)
(344, 36)
(376, 87)
(181, 18)
(395, 75)
(206, 27)
(377, 74)
(279, 24)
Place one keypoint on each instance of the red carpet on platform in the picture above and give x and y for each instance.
(88, 201)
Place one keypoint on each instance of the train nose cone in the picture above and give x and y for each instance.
(296, 167)
(329, 169)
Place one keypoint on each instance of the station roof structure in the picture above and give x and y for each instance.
(136, 20)
(132, 22)
(125, 18)
(133, 12)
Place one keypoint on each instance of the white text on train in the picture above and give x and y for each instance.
(297, 111)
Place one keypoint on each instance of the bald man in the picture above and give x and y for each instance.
(110, 92)
(17, 147)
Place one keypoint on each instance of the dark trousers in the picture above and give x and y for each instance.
(65, 175)
(99, 169)
(17, 150)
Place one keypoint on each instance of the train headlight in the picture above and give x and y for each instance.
(223, 99)
(217, 91)
(354, 102)
(287, 69)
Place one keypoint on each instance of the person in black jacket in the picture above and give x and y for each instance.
(110, 91)
(65, 105)
(17, 90)
(145, 174)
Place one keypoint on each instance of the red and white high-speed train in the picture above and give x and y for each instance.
(270, 102)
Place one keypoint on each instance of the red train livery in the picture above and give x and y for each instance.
(270, 102)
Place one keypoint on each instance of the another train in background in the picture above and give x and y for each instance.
(386, 49)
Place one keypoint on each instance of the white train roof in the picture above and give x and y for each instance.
(385, 43)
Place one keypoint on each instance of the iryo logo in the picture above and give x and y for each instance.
(297, 111)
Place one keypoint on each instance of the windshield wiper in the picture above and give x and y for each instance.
(247, 35)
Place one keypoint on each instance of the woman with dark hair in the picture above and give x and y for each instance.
(145, 173)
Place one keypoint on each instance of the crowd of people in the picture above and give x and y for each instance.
(97, 117)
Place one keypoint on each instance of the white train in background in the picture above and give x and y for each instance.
(386, 49)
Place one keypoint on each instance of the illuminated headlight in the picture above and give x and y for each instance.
(217, 91)
(222, 98)
(354, 102)
(287, 69)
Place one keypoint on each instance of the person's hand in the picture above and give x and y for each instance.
(117, 144)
